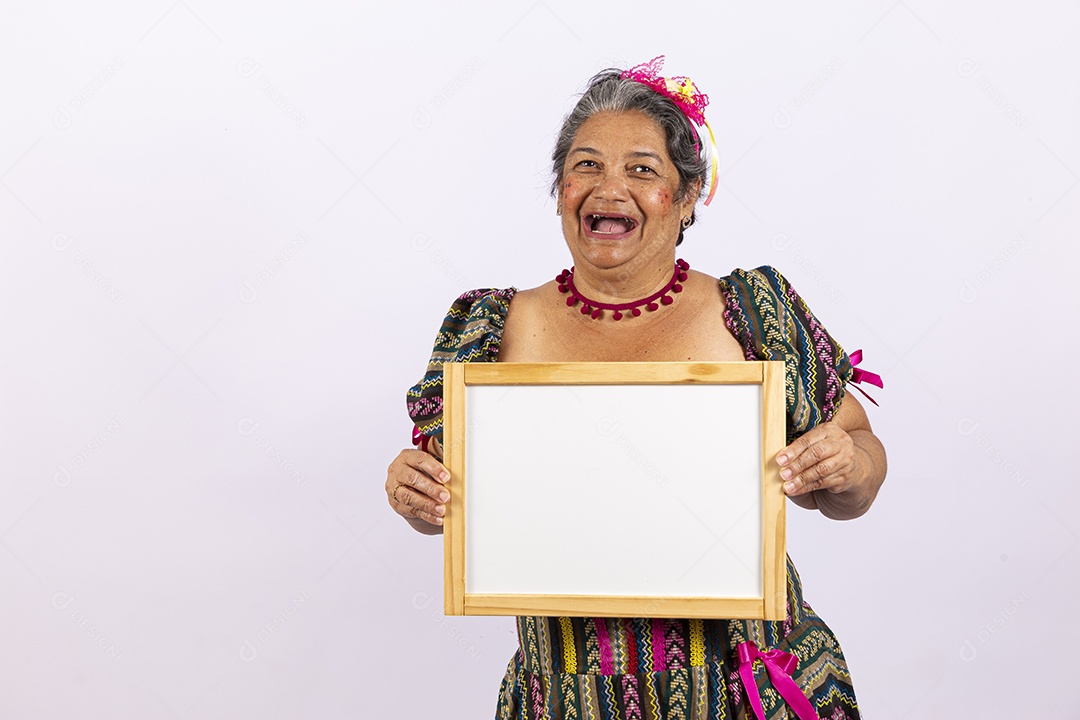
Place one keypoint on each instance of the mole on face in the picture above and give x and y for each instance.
(569, 190)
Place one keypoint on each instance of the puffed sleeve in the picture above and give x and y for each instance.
(471, 332)
(772, 322)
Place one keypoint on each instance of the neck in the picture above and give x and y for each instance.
(595, 306)
(625, 283)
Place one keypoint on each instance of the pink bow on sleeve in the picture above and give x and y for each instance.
(419, 439)
(859, 375)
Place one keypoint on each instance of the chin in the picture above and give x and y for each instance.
(607, 253)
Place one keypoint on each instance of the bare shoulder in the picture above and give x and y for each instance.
(704, 333)
(528, 303)
(525, 321)
(703, 288)
(530, 296)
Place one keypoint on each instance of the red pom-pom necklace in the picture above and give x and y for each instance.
(595, 309)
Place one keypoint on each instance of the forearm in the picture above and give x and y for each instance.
(871, 468)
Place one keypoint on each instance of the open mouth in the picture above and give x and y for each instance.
(608, 226)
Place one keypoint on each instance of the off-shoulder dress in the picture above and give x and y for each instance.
(653, 669)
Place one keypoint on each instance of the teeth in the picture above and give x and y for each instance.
(594, 218)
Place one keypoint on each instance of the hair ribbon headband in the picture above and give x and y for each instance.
(682, 92)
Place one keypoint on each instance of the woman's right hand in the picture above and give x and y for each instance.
(416, 489)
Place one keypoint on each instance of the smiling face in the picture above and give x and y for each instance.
(620, 193)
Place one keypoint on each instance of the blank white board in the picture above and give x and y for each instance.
(635, 488)
(593, 489)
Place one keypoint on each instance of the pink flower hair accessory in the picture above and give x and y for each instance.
(681, 91)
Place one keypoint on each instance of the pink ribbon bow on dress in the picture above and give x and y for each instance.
(419, 439)
(779, 665)
(858, 375)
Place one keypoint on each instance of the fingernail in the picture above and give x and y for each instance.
(789, 487)
(782, 459)
(444, 496)
(440, 509)
(438, 521)
(444, 476)
(785, 473)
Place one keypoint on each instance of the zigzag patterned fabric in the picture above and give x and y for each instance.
(667, 669)
(772, 322)
(471, 332)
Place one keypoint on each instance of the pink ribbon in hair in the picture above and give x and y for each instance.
(681, 91)
(859, 375)
(779, 665)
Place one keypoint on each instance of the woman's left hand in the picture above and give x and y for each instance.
(836, 467)
(824, 458)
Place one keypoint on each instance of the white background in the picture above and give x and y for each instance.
(230, 233)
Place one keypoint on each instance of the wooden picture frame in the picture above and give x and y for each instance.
(615, 489)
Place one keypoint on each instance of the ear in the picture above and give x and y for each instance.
(690, 198)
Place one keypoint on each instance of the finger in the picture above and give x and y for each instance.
(409, 460)
(835, 472)
(420, 484)
(430, 518)
(804, 441)
(811, 452)
(414, 504)
(424, 461)
(816, 477)
(413, 471)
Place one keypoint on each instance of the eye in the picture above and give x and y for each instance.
(586, 164)
(643, 169)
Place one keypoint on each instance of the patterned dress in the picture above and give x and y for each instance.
(658, 669)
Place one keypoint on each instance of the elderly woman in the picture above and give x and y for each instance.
(629, 170)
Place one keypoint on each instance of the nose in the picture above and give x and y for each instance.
(611, 186)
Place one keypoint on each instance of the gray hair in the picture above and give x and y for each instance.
(607, 92)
